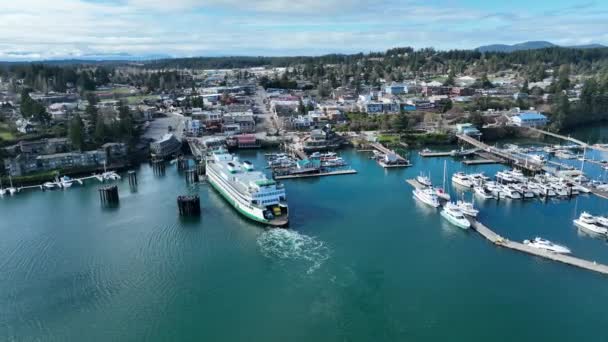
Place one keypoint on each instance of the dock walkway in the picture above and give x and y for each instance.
(568, 138)
(563, 258)
(320, 174)
(385, 150)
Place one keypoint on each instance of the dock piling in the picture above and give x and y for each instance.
(108, 195)
(132, 179)
(158, 167)
(189, 205)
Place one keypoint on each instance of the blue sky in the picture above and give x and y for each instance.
(42, 29)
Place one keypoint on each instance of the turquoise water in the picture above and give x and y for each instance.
(362, 262)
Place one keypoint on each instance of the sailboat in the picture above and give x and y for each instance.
(440, 192)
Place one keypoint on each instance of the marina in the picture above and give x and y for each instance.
(498, 240)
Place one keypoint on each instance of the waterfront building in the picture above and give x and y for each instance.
(529, 119)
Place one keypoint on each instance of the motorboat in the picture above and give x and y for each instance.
(559, 189)
(461, 179)
(523, 190)
(453, 215)
(49, 185)
(588, 222)
(467, 208)
(482, 192)
(424, 180)
(538, 158)
(504, 177)
(509, 192)
(547, 245)
(426, 196)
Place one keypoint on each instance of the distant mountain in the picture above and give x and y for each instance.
(531, 46)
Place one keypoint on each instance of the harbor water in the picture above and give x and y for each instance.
(362, 261)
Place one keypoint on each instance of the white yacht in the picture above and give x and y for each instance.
(603, 220)
(426, 196)
(467, 208)
(441, 193)
(588, 222)
(451, 213)
(461, 179)
(523, 190)
(249, 192)
(538, 158)
(504, 177)
(424, 180)
(482, 192)
(509, 192)
(559, 189)
(547, 245)
(546, 190)
(66, 182)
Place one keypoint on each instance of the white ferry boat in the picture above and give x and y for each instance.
(426, 196)
(547, 245)
(588, 222)
(451, 213)
(249, 192)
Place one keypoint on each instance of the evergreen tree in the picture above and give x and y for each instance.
(76, 132)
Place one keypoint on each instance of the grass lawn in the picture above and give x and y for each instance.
(388, 139)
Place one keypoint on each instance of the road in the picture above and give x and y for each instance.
(268, 124)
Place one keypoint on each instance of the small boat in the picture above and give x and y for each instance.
(509, 192)
(523, 190)
(482, 192)
(424, 180)
(547, 245)
(538, 158)
(467, 208)
(426, 196)
(49, 185)
(588, 222)
(453, 215)
(424, 151)
(461, 179)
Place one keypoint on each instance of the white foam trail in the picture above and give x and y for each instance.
(287, 244)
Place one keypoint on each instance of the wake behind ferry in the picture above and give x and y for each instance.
(249, 192)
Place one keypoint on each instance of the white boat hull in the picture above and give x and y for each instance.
(461, 223)
(591, 227)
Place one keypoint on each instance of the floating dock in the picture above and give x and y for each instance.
(427, 154)
(503, 242)
(479, 162)
(566, 259)
(320, 174)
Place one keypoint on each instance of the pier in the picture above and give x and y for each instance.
(479, 162)
(570, 139)
(489, 152)
(318, 174)
(381, 148)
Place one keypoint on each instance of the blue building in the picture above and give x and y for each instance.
(529, 119)
(396, 89)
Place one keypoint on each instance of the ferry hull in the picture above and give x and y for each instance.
(281, 222)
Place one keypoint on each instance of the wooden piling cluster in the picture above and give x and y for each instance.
(201, 169)
(158, 166)
(182, 164)
(192, 176)
(189, 205)
(108, 194)
(132, 179)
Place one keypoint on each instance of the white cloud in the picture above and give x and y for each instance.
(38, 29)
